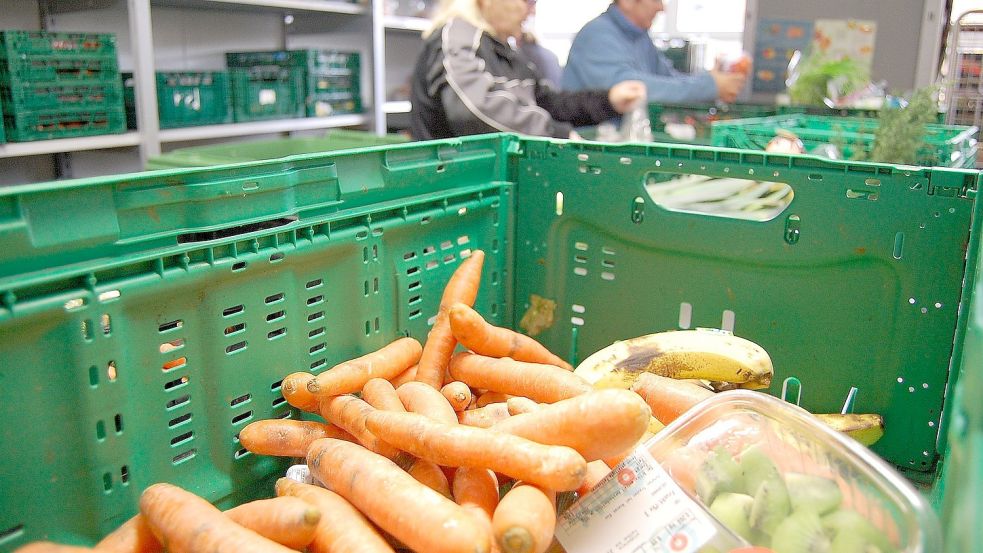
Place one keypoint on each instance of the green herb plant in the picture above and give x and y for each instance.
(901, 132)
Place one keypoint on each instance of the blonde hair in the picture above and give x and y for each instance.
(467, 10)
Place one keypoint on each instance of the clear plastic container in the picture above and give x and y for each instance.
(780, 478)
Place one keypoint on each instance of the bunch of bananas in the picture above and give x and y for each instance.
(711, 359)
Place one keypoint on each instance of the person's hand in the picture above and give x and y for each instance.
(574, 135)
(729, 85)
(627, 95)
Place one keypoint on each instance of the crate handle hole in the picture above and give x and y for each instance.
(235, 230)
(111, 371)
(11, 533)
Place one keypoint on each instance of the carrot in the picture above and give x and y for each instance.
(484, 417)
(133, 536)
(184, 522)
(461, 288)
(543, 383)
(287, 438)
(414, 514)
(597, 424)
(350, 376)
(519, 405)
(349, 413)
(294, 390)
(50, 547)
(458, 395)
(381, 394)
(342, 527)
(667, 397)
(596, 471)
(288, 521)
(555, 467)
(477, 487)
(409, 375)
(525, 519)
(473, 332)
(417, 397)
(430, 475)
(617, 459)
(488, 398)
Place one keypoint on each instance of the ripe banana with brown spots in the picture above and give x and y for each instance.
(703, 354)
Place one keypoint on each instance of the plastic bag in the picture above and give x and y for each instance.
(635, 124)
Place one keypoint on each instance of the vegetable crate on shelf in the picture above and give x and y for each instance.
(23, 44)
(267, 93)
(27, 98)
(185, 98)
(700, 117)
(146, 318)
(63, 123)
(945, 145)
(238, 152)
(331, 78)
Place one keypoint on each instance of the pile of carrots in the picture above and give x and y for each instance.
(421, 449)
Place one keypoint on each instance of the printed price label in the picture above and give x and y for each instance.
(637, 508)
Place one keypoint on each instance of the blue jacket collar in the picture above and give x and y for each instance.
(623, 23)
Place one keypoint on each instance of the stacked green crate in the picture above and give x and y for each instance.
(58, 85)
(945, 145)
(185, 98)
(700, 117)
(331, 79)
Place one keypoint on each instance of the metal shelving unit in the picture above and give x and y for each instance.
(367, 18)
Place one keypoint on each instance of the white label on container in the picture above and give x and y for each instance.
(267, 96)
(637, 508)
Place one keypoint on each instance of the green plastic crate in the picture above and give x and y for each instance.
(3, 135)
(42, 96)
(700, 117)
(310, 59)
(219, 154)
(268, 93)
(185, 98)
(245, 273)
(842, 112)
(21, 44)
(57, 70)
(946, 145)
(331, 79)
(63, 123)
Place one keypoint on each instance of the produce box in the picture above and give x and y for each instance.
(64, 123)
(238, 152)
(700, 117)
(42, 96)
(185, 98)
(946, 145)
(331, 78)
(268, 93)
(146, 318)
(24, 44)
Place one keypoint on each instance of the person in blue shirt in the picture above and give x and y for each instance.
(615, 46)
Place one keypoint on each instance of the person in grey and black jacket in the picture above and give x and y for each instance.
(471, 80)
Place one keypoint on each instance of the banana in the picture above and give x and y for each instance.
(865, 428)
(703, 354)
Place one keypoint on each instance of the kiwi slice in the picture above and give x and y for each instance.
(718, 474)
(848, 521)
(771, 505)
(733, 510)
(816, 493)
(801, 532)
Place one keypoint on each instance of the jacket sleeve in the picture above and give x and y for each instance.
(594, 60)
(585, 107)
(477, 101)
